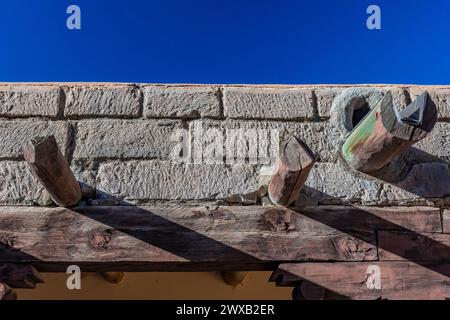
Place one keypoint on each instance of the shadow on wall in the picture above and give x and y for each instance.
(419, 173)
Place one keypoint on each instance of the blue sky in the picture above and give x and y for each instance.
(208, 41)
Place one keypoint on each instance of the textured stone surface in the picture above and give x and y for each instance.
(437, 143)
(312, 133)
(15, 133)
(17, 184)
(125, 138)
(441, 98)
(165, 180)
(267, 103)
(330, 183)
(325, 98)
(112, 100)
(129, 158)
(29, 100)
(185, 102)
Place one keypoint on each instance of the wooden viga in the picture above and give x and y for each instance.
(385, 132)
(48, 165)
(292, 168)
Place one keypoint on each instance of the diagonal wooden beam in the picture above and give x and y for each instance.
(294, 162)
(49, 166)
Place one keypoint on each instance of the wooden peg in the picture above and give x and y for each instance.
(113, 277)
(292, 167)
(307, 290)
(385, 132)
(49, 166)
(234, 278)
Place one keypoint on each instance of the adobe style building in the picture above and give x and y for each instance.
(342, 192)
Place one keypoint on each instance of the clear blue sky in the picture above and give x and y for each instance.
(228, 41)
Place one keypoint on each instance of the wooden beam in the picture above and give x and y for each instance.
(49, 166)
(21, 276)
(292, 167)
(385, 132)
(234, 278)
(446, 220)
(6, 293)
(131, 238)
(113, 277)
(398, 245)
(398, 279)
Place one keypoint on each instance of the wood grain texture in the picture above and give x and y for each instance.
(446, 220)
(229, 238)
(398, 245)
(142, 238)
(381, 135)
(398, 279)
(49, 166)
(294, 162)
(418, 219)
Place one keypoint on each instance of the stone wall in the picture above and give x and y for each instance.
(122, 140)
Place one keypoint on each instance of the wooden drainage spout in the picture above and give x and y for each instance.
(292, 168)
(385, 132)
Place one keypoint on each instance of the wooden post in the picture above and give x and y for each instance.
(113, 277)
(292, 167)
(50, 167)
(6, 293)
(234, 278)
(385, 132)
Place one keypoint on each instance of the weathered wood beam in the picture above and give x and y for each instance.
(292, 167)
(128, 238)
(398, 279)
(6, 293)
(49, 166)
(385, 132)
(234, 278)
(399, 245)
(22, 276)
(446, 220)
(141, 238)
(113, 277)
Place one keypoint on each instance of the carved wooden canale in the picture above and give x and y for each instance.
(385, 132)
